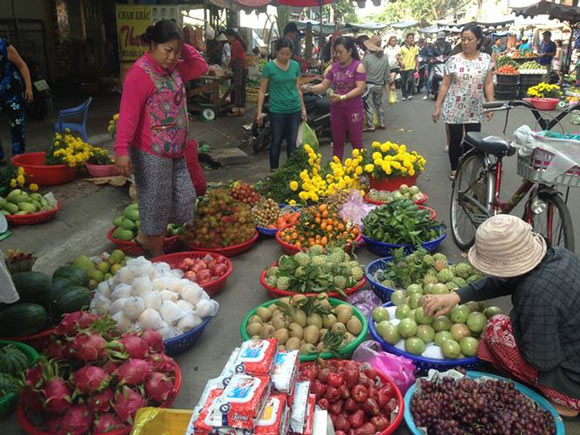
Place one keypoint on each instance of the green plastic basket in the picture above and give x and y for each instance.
(345, 352)
(9, 402)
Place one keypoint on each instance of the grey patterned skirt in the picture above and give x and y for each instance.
(165, 193)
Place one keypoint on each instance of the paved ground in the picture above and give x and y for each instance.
(81, 226)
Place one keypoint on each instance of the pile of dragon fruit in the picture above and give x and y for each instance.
(93, 379)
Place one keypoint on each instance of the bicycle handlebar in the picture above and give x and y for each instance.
(545, 124)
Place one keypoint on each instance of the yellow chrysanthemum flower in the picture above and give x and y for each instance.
(33, 187)
(293, 186)
(355, 152)
(13, 183)
(292, 202)
(369, 167)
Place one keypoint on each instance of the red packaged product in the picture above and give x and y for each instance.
(200, 425)
(309, 415)
(285, 372)
(241, 402)
(257, 357)
(275, 417)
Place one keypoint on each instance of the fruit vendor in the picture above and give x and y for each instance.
(539, 343)
(152, 131)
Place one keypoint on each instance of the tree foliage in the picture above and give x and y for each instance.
(344, 11)
(427, 10)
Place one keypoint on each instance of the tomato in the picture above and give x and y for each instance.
(318, 388)
(359, 393)
(366, 429)
(357, 419)
(350, 405)
(351, 376)
(323, 404)
(332, 394)
(371, 407)
(344, 391)
(341, 423)
(335, 380)
(336, 407)
(380, 422)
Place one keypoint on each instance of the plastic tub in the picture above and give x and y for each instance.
(176, 345)
(134, 249)
(276, 292)
(422, 363)
(345, 353)
(543, 103)
(432, 212)
(213, 287)
(33, 218)
(230, 251)
(38, 341)
(101, 170)
(375, 202)
(269, 232)
(9, 402)
(391, 183)
(382, 291)
(292, 249)
(385, 249)
(41, 174)
(29, 428)
(540, 400)
(400, 400)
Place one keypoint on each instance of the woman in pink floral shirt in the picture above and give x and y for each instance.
(152, 131)
(467, 83)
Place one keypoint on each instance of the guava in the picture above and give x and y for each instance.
(414, 345)
(473, 306)
(429, 288)
(380, 314)
(469, 346)
(492, 311)
(459, 331)
(407, 328)
(402, 311)
(414, 300)
(411, 314)
(425, 333)
(441, 323)
(391, 334)
(421, 318)
(440, 289)
(450, 349)
(399, 297)
(414, 288)
(441, 336)
(413, 190)
(403, 188)
(459, 314)
(476, 321)
(381, 326)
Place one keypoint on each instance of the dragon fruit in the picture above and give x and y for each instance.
(70, 322)
(31, 400)
(33, 377)
(159, 387)
(106, 423)
(89, 346)
(78, 419)
(126, 404)
(135, 346)
(57, 395)
(90, 379)
(101, 402)
(162, 363)
(110, 367)
(153, 339)
(134, 371)
(54, 424)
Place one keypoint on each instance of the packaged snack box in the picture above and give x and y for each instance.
(285, 372)
(274, 419)
(256, 357)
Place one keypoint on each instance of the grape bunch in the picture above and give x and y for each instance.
(448, 407)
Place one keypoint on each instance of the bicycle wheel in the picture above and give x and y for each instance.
(554, 222)
(470, 186)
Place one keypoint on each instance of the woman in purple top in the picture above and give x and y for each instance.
(347, 79)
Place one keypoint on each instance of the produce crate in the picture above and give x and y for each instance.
(531, 79)
(507, 95)
(507, 79)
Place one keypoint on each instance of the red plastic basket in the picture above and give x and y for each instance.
(38, 341)
(29, 428)
(213, 287)
(384, 380)
(278, 293)
(132, 248)
(230, 251)
(33, 218)
(101, 170)
(431, 211)
(292, 249)
(375, 202)
(391, 184)
(543, 103)
(41, 174)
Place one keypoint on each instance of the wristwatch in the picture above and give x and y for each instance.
(343, 98)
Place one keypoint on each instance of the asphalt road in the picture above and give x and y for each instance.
(81, 227)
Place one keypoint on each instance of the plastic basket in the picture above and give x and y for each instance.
(101, 170)
(9, 402)
(533, 167)
(382, 291)
(29, 428)
(391, 183)
(38, 341)
(385, 249)
(41, 174)
(540, 400)
(422, 363)
(432, 212)
(345, 353)
(33, 218)
(230, 251)
(269, 232)
(211, 288)
(543, 103)
(375, 202)
(179, 344)
(293, 249)
(400, 400)
(134, 249)
(276, 292)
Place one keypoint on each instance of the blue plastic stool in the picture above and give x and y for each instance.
(78, 111)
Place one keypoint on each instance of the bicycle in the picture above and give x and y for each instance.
(477, 186)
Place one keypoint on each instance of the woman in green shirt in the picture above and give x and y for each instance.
(281, 79)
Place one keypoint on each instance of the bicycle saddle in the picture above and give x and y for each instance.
(489, 144)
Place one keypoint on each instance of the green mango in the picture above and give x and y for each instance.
(3, 203)
(132, 214)
(27, 206)
(36, 204)
(14, 193)
(132, 206)
(128, 224)
(123, 234)
(15, 199)
(138, 225)
(4, 212)
(20, 213)
(118, 221)
(11, 208)
(36, 196)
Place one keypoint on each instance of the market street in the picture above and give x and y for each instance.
(87, 211)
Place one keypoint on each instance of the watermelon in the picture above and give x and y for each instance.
(71, 300)
(73, 274)
(33, 287)
(23, 319)
(12, 360)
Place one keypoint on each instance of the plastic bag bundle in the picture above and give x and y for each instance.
(355, 208)
(365, 301)
(306, 136)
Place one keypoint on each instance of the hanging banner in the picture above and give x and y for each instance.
(132, 21)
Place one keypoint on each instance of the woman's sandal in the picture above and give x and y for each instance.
(232, 114)
(452, 175)
(564, 411)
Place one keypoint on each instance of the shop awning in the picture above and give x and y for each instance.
(366, 26)
(404, 24)
(555, 11)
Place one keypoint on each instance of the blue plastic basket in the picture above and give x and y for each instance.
(382, 291)
(293, 207)
(422, 363)
(540, 400)
(270, 232)
(385, 249)
(176, 345)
